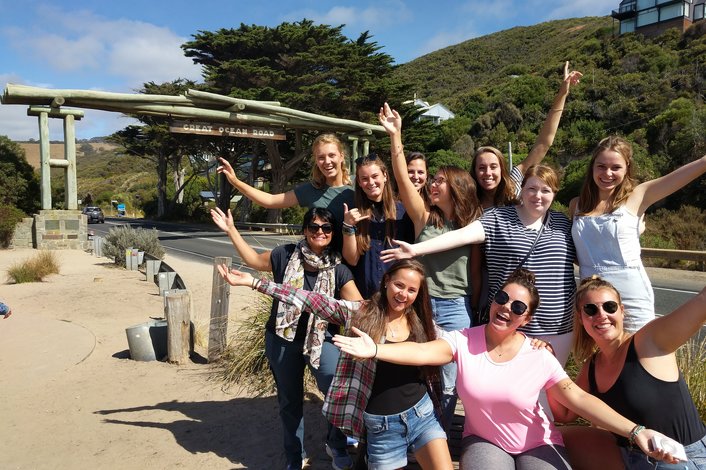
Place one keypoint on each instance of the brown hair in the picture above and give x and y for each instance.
(365, 205)
(583, 346)
(505, 192)
(317, 178)
(424, 192)
(372, 317)
(544, 173)
(462, 190)
(588, 200)
(525, 278)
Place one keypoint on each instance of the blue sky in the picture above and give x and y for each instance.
(117, 45)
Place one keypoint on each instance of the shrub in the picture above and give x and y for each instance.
(34, 269)
(121, 238)
(9, 217)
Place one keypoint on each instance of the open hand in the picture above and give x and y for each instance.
(390, 120)
(403, 251)
(234, 277)
(571, 77)
(362, 347)
(226, 168)
(222, 220)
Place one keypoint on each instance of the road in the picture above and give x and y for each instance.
(201, 243)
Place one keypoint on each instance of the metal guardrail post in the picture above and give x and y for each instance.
(166, 281)
(151, 269)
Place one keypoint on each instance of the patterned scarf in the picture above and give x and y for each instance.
(288, 315)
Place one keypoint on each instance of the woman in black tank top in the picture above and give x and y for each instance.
(637, 375)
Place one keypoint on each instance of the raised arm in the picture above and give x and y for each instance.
(410, 197)
(471, 233)
(551, 123)
(323, 306)
(665, 334)
(649, 192)
(261, 198)
(432, 353)
(255, 260)
(595, 410)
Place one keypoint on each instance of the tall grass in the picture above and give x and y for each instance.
(34, 269)
(691, 359)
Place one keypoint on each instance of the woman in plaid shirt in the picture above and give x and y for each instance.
(389, 404)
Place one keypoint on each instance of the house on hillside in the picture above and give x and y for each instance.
(434, 113)
(653, 17)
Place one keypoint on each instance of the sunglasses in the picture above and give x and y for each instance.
(610, 306)
(326, 228)
(368, 158)
(517, 306)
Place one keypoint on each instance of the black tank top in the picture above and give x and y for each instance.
(666, 407)
(396, 388)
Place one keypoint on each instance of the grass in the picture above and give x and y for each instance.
(34, 269)
(691, 359)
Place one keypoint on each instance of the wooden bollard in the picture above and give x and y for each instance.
(177, 310)
(218, 327)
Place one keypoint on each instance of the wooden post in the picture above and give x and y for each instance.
(177, 310)
(218, 327)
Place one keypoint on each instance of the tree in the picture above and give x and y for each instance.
(308, 67)
(19, 185)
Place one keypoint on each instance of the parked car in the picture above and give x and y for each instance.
(94, 214)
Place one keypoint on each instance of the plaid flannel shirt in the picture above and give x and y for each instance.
(352, 383)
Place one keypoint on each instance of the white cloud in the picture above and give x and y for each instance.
(579, 8)
(483, 10)
(445, 38)
(381, 14)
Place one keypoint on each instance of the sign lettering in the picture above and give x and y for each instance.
(228, 130)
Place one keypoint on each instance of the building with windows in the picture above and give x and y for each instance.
(653, 17)
(434, 113)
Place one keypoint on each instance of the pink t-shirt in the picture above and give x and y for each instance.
(500, 400)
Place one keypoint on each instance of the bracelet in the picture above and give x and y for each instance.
(255, 283)
(348, 229)
(633, 434)
(376, 351)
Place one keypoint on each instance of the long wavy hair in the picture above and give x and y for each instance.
(424, 192)
(505, 193)
(462, 190)
(366, 206)
(317, 178)
(372, 317)
(589, 199)
(583, 346)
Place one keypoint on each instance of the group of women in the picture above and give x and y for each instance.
(497, 250)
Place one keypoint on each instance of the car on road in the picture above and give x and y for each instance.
(94, 214)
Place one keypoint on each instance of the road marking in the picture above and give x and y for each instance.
(676, 290)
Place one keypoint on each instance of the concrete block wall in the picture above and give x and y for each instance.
(23, 237)
(61, 230)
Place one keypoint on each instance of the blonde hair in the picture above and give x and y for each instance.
(583, 346)
(588, 200)
(544, 173)
(317, 178)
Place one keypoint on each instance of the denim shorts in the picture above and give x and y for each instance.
(391, 436)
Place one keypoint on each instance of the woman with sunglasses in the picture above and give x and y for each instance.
(329, 186)
(637, 375)
(390, 405)
(528, 234)
(500, 377)
(609, 219)
(293, 338)
(495, 184)
(370, 228)
(453, 276)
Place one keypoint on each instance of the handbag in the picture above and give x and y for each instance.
(484, 315)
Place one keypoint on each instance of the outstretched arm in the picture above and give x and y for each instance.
(323, 306)
(410, 197)
(471, 233)
(255, 260)
(432, 353)
(551, 123)
(595, 410)
(261, 198)
(649, 192)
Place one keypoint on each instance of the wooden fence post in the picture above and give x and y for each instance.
(177, 310)
(218, 327)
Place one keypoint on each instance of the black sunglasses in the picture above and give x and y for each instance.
(368, 158)
(611, 306)
(517, 307)
(326, 228)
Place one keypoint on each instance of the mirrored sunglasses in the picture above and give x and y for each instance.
(609, 306)
(517, 306)
(326, 228)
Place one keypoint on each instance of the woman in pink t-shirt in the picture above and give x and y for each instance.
(500, 376)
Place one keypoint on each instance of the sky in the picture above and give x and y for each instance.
(118, 45)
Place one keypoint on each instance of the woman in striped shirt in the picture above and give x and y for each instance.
(509, 234)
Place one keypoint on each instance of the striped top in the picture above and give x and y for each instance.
(507, 241)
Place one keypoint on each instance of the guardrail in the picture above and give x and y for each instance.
(677, 255)
(262, 227)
